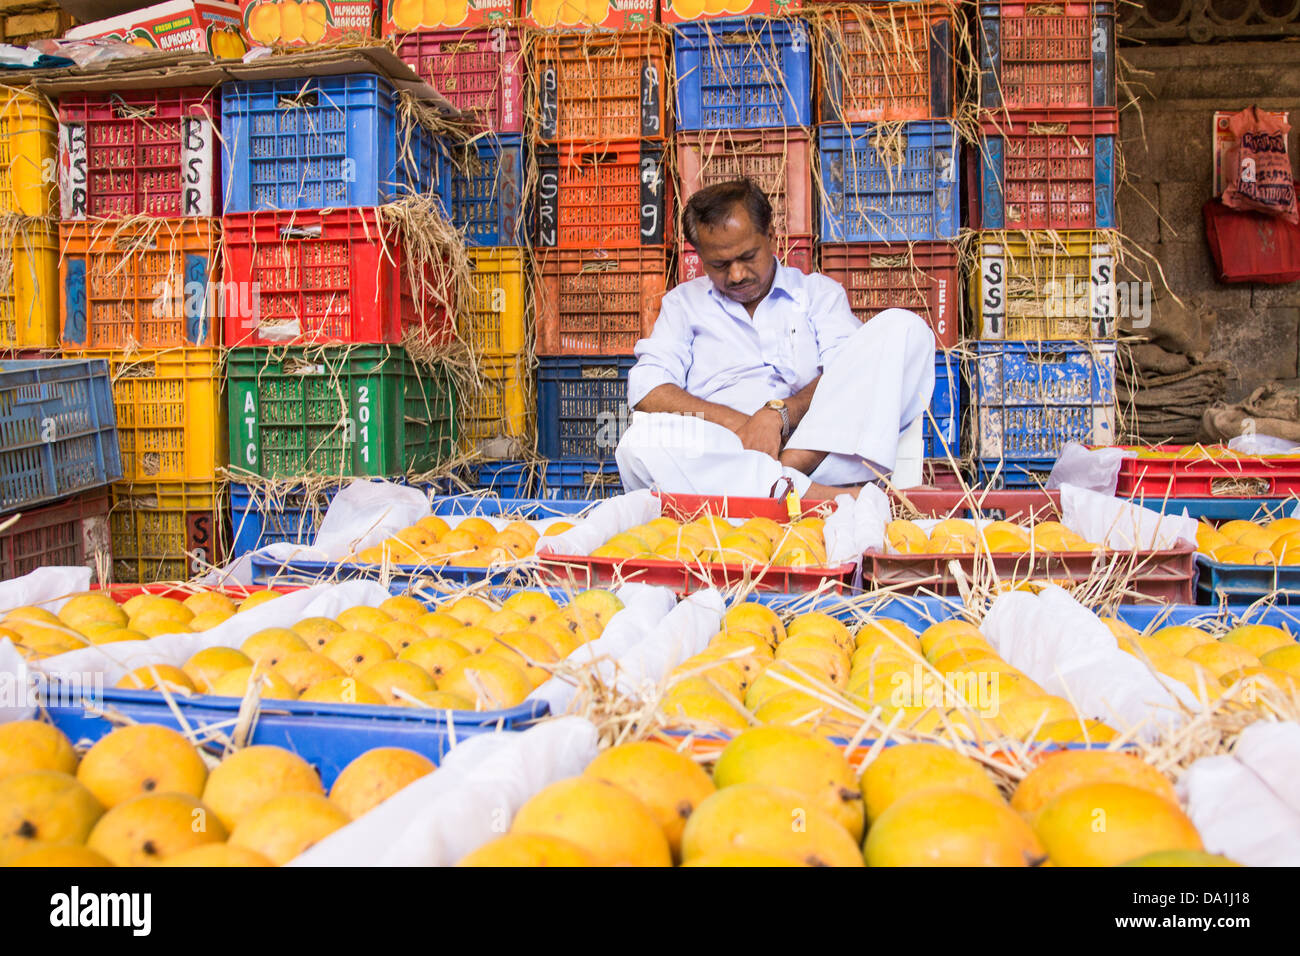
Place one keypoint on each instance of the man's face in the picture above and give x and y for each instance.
(737, 257)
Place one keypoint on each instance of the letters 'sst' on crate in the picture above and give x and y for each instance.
(496, 417)
(606, 196)
(919, 276)
(147, 283)
(29, 303)
(170, 421)
(57, 431)
(1046, 57)
(1040, 285)
(492, 316)
(598, 302)
(328, 276)
(167, 530)
(894, 182)
(743, 73)
(581, 406)
(1048, 170)
(320, 143)
(138, 152)
(598, 87)
(366, 411)
(793, 251)
(779, 160)
(68, 533)
(485, 183)
(481, 72)
(892, 61)
(29, 145)
(1031, 398)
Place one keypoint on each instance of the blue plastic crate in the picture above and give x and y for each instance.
(1143, 616)
(1222, 509)
(581, 479)
(319, 143)
(1014, 472)
(58, 432)
(886, 183)
(328, 736)
(529, 509)
(743, 73)
(1031, 398)
(485, 188)
(942, 426)
(581, 405)
(1217, 582)
(510, 479)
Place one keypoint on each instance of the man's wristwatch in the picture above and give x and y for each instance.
(779, 405)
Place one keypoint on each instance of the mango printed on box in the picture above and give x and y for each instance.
(300, 22)
(406, 16)
(606, 14)
(177, 25)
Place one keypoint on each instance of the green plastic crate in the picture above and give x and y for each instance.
(361, 411)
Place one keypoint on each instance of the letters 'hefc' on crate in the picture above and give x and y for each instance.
(920, 276)
(598, 302)
(892, 61)
(328, 276)
(607, 196)
(1046, 56)
(1045, 285)
(779, 160)
(148, 283)
(743, 73)
(363, 411)
(1048, 170)
(598, 87)
(1031, 398)
(167, 531)
(889, 182)
(481, 72)
(139, 152)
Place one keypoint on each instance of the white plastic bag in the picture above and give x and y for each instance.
(1123, 525)
(1096, 469)
(468, 801)
(682, 634)
(1254, 443)
(47, 588)
(612, 516)
(856, 525)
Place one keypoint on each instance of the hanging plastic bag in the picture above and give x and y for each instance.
(1258, 166)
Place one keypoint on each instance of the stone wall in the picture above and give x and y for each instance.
(1166, 140)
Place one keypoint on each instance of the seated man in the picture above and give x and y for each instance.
(756, 372)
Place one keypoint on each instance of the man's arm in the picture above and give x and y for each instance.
(672, 398)
(797, 404)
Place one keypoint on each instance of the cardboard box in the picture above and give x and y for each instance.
(304, 22)
(204, 26)
(585, 14)
(406, 16)
(684, 11)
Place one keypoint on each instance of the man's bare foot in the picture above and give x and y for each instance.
(800, 459)
(820, 492)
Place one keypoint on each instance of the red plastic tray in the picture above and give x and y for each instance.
(586, 571)
(1009, 505)
(920, 276)
(1239, 476)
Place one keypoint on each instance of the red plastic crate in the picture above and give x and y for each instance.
(586, 571)
(1048, 169)
(1013, 505)
(779, 160)
(793, 251)
(139, 151)
(1046, 56)
(886, 63)
(151, 284)
(1200, 476)
(600, 87)
(920, 276)
(336, 276)
(598, 302)
(480, 71)
(68, 533)
(606, 196)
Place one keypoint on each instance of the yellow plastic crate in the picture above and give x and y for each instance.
(29, 144)
(498, 419)
(1040, 285)
(492, 318)
(171, 419)
(166, 531)
(29, 299)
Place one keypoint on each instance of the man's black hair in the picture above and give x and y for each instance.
(712, 206)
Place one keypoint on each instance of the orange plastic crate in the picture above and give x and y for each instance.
(151, 284)
(779, 160)
(607, 196)
(597, 87)
(598, 302)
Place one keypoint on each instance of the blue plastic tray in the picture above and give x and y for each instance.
(58, 431)
(883, 184)
(743, 73)
(1141, 616)
(487, 200)
(1244, 583)
(581, 400)
(320, 143)
(1222, 509)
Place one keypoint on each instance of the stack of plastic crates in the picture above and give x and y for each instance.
(139, 275)
(1042, 283)
(603, 208)
(889, 172)
(333, 301)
